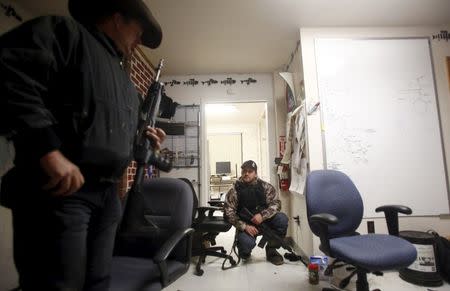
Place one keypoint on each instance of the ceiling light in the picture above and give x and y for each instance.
(220, 109)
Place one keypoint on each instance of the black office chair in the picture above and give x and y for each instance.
(220, 202)
(207, 227)
(158, 251)
(335, 211)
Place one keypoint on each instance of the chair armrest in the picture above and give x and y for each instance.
(323, 220)
(170, 244)
(326, 218)
(216, 203)
(391, 214)
(167, 248)
(202, 210)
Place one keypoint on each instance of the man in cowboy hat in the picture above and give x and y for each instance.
(261, 199)
(69, 106)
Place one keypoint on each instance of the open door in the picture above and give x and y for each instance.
(235, 132)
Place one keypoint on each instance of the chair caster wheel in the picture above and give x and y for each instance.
(223, 251)
(199, 272)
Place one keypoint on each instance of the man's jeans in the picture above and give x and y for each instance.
(66, 243)
(246, 242)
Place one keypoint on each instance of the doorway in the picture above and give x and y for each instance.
(235, 132)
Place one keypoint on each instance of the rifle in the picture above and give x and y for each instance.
(248, 81)
(268, 234)
(209, 82)
(171, 83)
(144, 155)
(228, 81)
(192, 82)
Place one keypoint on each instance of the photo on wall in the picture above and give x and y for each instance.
(290, 96)
(290, 99)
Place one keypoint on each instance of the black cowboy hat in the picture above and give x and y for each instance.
(88, 11)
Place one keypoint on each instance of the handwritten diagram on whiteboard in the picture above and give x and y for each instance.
(380, 121)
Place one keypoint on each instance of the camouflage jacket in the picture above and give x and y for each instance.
(231, 204)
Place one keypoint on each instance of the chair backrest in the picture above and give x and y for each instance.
(169, 202)
(167, 206)
(195, 198)
(329, 191)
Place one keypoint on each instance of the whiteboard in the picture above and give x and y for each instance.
(380, 121)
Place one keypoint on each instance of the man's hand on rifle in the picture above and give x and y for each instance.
(251, 230)
(156, 136)
(257, 219)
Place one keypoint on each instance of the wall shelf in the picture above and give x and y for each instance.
(182, 144)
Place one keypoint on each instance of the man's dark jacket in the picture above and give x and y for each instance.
(64, 86)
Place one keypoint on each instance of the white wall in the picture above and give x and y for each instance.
(440, 49)
(225, 146)
(279, 87)
(9, 278)
(262, 91)
(263, 150)
(293, 204)
(249, 139)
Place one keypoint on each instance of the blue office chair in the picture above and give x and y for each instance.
(335, 211)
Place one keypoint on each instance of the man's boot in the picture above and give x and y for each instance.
(273, 255)
(245, 256)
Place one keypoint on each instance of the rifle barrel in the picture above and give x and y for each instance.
(158, 70)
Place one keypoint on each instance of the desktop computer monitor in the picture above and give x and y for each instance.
(223, 168)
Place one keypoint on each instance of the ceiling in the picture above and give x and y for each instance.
(257, 36)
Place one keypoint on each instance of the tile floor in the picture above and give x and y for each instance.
(260, 275)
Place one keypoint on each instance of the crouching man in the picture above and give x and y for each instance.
(262, 200)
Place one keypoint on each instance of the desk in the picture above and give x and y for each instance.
(219, 186)
(216, 203)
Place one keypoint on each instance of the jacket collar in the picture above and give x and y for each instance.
(106, 41)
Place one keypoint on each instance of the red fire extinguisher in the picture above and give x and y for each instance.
(285, 182)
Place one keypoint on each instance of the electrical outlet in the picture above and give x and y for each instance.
(370, 226)
(297, 219)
